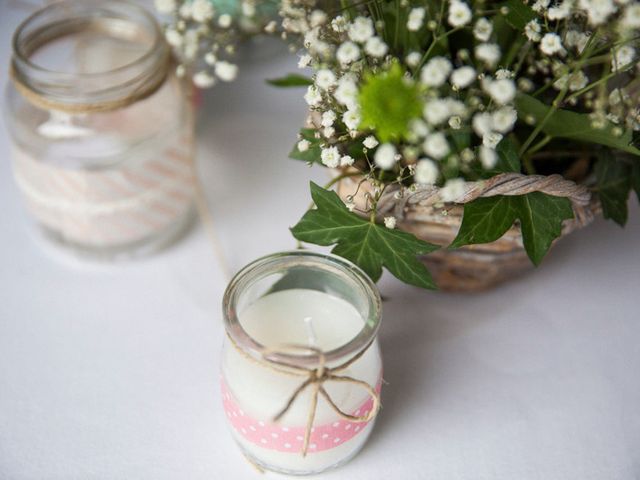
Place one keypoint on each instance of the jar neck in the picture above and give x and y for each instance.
(101, 87)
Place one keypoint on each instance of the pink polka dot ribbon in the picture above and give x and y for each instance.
(290, 439)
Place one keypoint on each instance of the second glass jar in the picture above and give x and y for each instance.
(101, 128)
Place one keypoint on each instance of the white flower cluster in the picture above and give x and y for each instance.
(204, 38)
(581, 48)
(466, 97)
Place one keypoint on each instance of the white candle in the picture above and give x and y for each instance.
(253, 393)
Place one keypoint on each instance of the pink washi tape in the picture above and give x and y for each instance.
(289, 439)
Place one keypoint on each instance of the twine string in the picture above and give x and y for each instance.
(315, 379)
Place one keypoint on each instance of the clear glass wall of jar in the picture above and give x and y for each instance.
(101, 128)
(301, 325)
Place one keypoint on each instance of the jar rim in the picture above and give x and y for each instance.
(24, 56)
(267, 265)
(104, 89)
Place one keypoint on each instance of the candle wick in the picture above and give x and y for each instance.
(311, 334)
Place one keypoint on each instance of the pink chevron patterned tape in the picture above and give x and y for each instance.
(289, 439)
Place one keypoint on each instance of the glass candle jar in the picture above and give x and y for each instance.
(301, 366)
(101, 128)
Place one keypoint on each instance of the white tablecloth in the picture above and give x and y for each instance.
(112, 372)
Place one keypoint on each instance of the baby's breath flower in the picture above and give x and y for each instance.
(305, 61)
(631, 17)
(463, 77)
(303, 145)
(174, 38)
(622, 57)
(339, 24)
(482, 29)
(488, 157)
(361, 30)
(225, 20)
(416, 19)
(203, 79)
(325, 79)
(390, 222)
(313, 97)
(227, 72)
(418, 129)
(370, 142)
(413, 59)
(491, 139)
(202, 10)
(351, 119)
(598, 11)
(540, 5)
(328, 118)
(502, 91)
(482, 123)
(532, 30)
(561, 11)
(551, 44)
(385, 156)
(488, 53)
(426, 172)
(376, 47)
(503, 119)
(317, 18)
(330, 157)
(436, 146)
(348, 53)
(459, 13)
(346, 161)
(435, 72)
(452, 190)
(347, 91)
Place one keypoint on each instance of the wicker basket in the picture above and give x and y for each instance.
(473, 267)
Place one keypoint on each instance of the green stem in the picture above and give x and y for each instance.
(557, 102)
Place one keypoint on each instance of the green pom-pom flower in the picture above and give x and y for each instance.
(388, 103)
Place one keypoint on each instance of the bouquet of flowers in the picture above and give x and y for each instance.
(448, 96)
(205, 34)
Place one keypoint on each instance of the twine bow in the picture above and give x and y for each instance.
(316, 378)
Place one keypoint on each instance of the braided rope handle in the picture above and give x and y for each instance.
(508, 184)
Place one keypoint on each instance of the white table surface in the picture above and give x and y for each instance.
(112, 372)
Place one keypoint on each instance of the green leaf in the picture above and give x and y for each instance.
(368, 245)
(291, 80)
(541, 219)
(487, 219)
(635, 178)
(312, 154)
(508, 158)
(613, 180)
(519, 14)
(576, 126)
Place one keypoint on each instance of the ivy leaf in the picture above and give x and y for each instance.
(519, 14)
(291, 80)
(613, 183)
(576, 126)
(541, 218)
(368, 245)
(487, 219)
(635, 178)
(312, 154)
